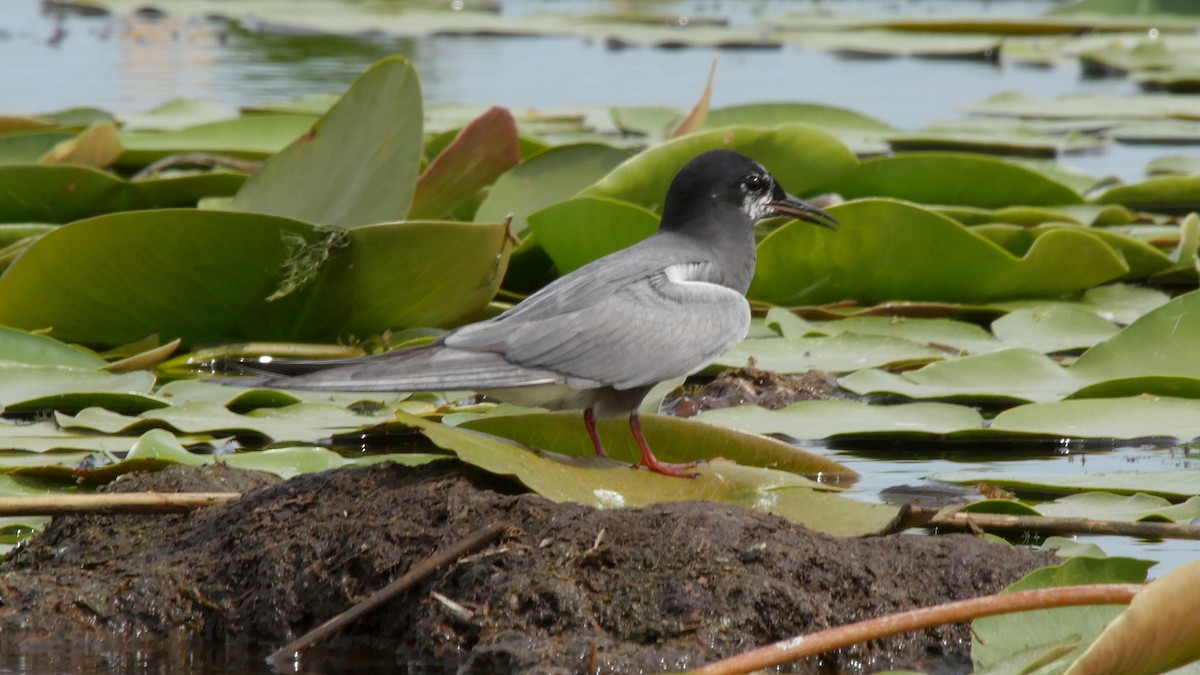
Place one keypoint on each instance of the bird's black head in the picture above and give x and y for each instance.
(721, 185)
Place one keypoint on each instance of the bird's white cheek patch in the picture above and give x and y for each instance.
(609, 499)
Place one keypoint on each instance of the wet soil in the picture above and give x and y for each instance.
(569, 589)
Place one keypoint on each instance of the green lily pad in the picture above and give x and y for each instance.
(1178, 484)
(19, 441)
(1174, 165)
(179, 113)
(889, 250)
(1053, 329)
(997, 638)
(34, 387)
(950, 179)
(1168, 194)
(1109, 506)
(1142, 259)
(27, 147)
(301, 422)
(888, 43)
(1083, 106)
(238, 399)
(817, 419)
(357, 165)
(861, 133)
(247, 276)
(798, 155)
(18, 346)
(607, 483)
(1010, 375)
(251, 137)
(38, 193)
(1155, 634)
(839, 353)
(578, 231)
(548, 178)
(673, 440)
(1117, 418)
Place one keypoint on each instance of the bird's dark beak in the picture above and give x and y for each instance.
(798, 208)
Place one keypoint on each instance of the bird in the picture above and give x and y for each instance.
(601, 337)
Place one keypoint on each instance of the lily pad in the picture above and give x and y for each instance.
(839, 353)
(39, 193)
(251, 137)
(548, 178)
(1168, 194)
(215, 275)
(819, 419)
(798, 155)
(1109, 506)
(302, 422)
(357, 165)
(1155, 634)
(997, 638)
(1178, 484)
(578, 231)
(1117, 418)
(673, 440)
(607, 483)
(889, 250)
(950, 179)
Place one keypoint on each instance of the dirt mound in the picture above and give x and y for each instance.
(572, 590)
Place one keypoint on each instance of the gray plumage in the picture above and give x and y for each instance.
(599, 338)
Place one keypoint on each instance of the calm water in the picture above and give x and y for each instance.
(55, 62)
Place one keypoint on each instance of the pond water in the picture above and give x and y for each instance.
(55, 61)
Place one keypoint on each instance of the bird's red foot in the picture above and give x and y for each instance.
(667, 468)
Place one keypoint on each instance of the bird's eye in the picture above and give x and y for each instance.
(754, 183)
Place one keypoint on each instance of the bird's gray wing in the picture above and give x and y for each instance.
(429, 368)
(666, 322)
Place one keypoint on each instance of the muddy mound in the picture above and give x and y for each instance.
(571, 589)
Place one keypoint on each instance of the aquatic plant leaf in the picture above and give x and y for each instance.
(819, 419)
(995, 638)
(1089, 106)
(34, 193)
(673, 439)
(1116, 418)
(890, 250)
(962, 179)
(250, 137)
(1109, 506)
(578, 231)
(96, 146)
(1008, 375)
(481, 152)
(1176, 484)
(607, 483)
(27, 147)
(357, 165)
(220, 275)
(301, 422)
(33, 387)
(1170, 194)
(178, 113)
(547, 178)
(18, 346)
(1155, 634)
(788, 151)
(838, 353)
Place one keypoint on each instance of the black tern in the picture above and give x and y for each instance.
(600, 338)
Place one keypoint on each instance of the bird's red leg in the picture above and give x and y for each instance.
(589, 421)
(649, 460)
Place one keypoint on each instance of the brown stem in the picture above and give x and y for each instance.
(419, 572)
(792, 649)
(916, 516)
(126, 503)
